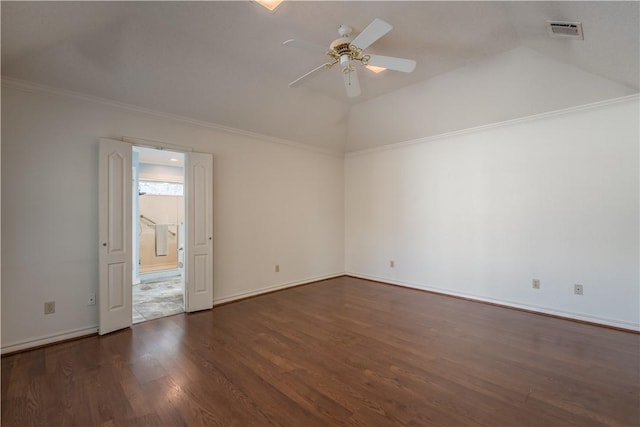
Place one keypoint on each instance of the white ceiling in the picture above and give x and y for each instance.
(159, 157)
(224, 63)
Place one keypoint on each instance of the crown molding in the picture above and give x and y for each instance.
(27, 86)
(506, 123)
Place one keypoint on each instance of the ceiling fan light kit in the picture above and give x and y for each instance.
(375, 69)
(345, 52)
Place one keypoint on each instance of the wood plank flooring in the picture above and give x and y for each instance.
(339, 352)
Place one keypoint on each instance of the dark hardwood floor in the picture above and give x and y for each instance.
(339, 352)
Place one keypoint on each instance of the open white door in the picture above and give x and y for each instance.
(199, 224)
(115, 311)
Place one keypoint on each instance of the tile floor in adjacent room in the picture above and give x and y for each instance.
(157, 298)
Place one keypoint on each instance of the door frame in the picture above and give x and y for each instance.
(206, 227)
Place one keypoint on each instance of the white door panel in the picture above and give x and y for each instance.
(114, 236)
(199, 224)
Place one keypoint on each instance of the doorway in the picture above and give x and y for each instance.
(115, 229)
(158, 238)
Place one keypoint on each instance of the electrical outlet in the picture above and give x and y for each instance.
(577, 289)
(49, 307)
(277, 268)
(92, 298)
(392, 264)
(535, 284)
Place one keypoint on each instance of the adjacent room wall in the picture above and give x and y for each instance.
(161, 209)
(273, 204)
(482, 213)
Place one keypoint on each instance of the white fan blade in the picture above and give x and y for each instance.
(297, 81)
(391, 63)
(351, 83)
(373, 32)
(301, 44)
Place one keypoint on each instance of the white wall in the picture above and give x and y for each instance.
(477, 214)
(273, 204)
(482, 213)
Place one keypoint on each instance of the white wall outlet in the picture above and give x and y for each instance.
(277, 268)
(577, 289)
(392, 264)
(535, 283)
(49, 307)
(92, 298)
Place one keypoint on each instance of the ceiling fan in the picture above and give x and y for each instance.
(346, 52)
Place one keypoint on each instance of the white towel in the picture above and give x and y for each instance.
(162, 240)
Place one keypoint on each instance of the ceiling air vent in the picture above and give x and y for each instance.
(565, 29)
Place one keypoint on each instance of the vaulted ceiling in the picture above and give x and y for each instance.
(224, 62)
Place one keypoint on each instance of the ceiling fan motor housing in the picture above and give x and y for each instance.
(341, 45)
(343, 51)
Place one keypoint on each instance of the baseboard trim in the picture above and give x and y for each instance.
(34, 343)
(575, 317)
(270, 289)
(58, 338)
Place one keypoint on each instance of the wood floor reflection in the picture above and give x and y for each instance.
(343, 351)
